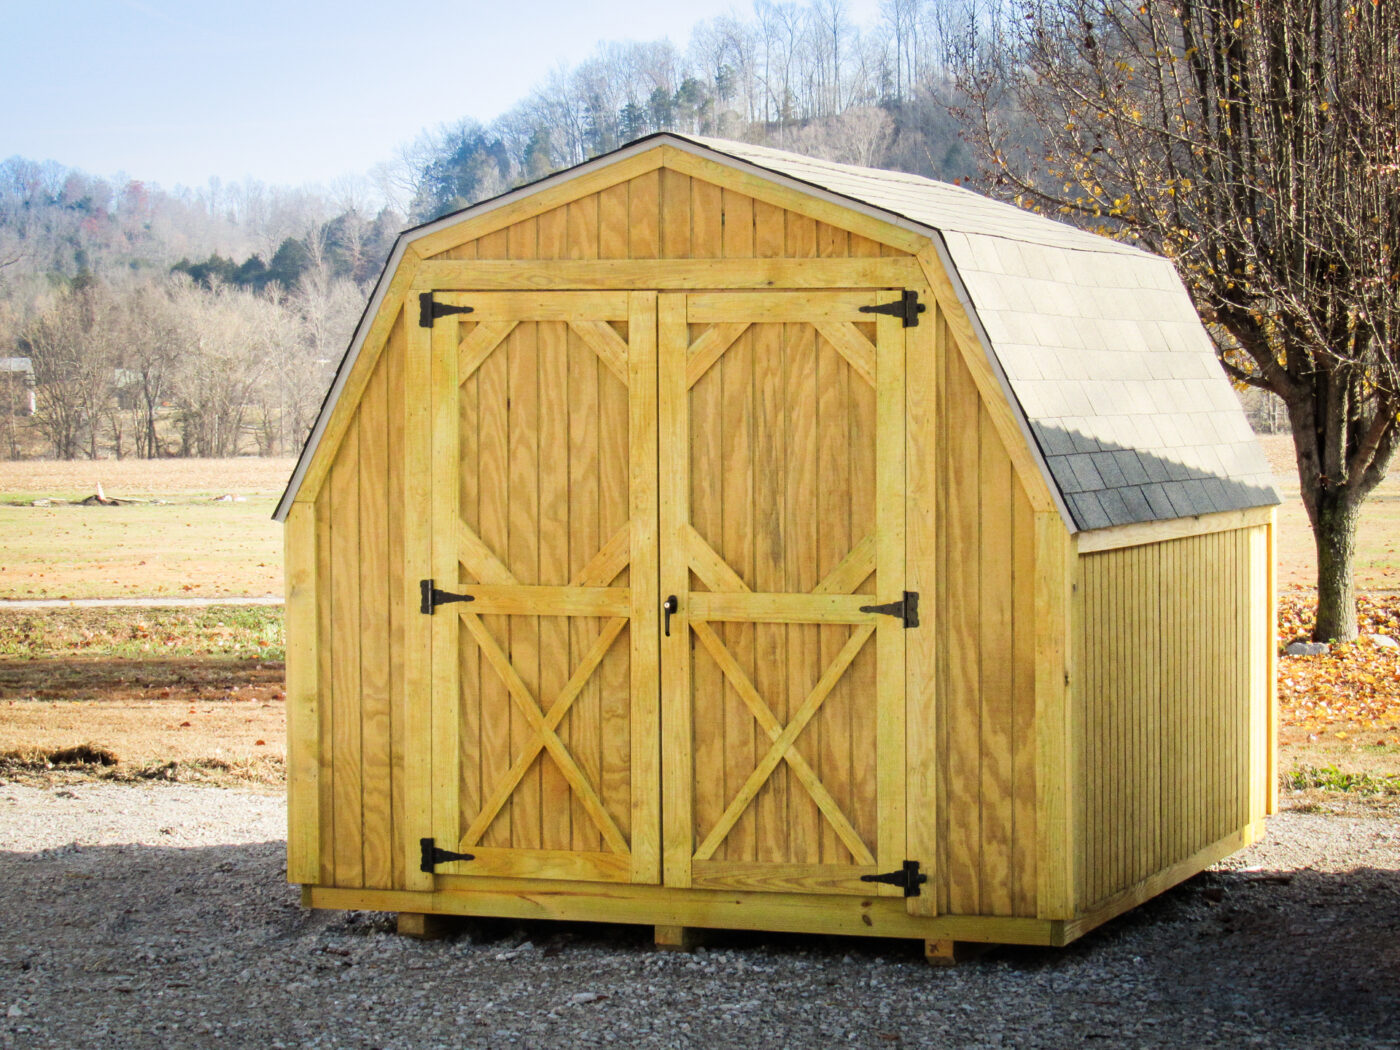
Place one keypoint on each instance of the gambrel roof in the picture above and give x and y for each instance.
(1096, 343)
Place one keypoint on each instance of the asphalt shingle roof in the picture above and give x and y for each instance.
(1099, 343)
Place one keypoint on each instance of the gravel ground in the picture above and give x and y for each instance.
(156, 916)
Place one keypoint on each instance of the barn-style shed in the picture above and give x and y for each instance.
(710, 536)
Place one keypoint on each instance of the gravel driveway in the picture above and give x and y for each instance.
(156, 916)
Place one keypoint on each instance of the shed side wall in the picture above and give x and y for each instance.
(360, 621)
(1173, 703)
(984, 617)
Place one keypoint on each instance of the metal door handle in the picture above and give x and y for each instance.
(669, 607)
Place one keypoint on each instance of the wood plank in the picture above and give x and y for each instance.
(1270, 597)
(783, 878)
(714, 572)
(1055, 758)
(445, 754)
(643, 218)
(922, 464)
(705, 481)
(416, 412)
(697, 273)
(678, 816)
(549, 305)
(854, 569)
(780, 307)
(546, 864)
(479, 560)
(1174, 529)
(535, 601)
(995, 627)
(801, 528)
(890, 572)
(326, 689)
(644, 714)
(605, 566)
(784, 608)
(612, 223)
(1023, 859)
(493, 484)
(603, 339)
(675, 214)
(539, 199)
(554, 657)
(774, 194)
(558, 899)
(345, 661)
(858, 351)
(962, 701)
(523, 558)
(303, 715)
(373, 513)
(710, 347)
(479, 344)
(397, 458)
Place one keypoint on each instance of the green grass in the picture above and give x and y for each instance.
(1330, 778)
(245, 632)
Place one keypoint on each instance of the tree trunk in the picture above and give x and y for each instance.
(1334, 532)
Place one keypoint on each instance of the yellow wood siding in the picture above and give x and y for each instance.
(983, 615)
(1173, 701)
(664, 214)
(359, 625)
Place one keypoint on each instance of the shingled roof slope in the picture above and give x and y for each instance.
(1098, 340)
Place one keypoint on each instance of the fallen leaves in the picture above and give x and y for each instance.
(1353, 688)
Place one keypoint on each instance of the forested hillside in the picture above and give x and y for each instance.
(208, 321)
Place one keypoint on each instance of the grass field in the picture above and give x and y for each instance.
(191, 543)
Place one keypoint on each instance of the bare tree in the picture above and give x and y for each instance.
(1259, 148)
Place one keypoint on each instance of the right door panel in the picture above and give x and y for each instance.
(782, 436)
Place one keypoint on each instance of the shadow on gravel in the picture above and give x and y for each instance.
(178, 945)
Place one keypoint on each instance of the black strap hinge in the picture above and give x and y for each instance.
(907, 609)
(429, 311)
(908, 878)
(907, 308)
(433, 855)
(432, 597)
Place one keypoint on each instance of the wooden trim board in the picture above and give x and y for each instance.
(1119, 536)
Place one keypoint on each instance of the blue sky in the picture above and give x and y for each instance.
(290, 92)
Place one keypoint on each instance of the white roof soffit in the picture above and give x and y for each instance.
(696, 149)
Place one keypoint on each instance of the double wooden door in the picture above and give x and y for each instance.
(671, 513)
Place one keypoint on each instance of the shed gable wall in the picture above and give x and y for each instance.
(985, 636)
(666, 214)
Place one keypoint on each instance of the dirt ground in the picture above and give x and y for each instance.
(147, 713)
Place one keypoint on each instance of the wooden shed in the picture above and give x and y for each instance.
(710, 536)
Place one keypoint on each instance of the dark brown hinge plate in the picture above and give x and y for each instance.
(908, 878)
(429, 311)
(906, 609)
(907, 308)
(433, 855)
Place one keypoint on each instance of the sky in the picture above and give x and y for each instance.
(291, 92)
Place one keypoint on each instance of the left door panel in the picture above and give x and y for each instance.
(544, 721)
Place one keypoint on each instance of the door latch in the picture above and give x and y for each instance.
(669, 607)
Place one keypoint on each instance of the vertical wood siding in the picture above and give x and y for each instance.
(359, 553)
(984, 616)
(1172, 701)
